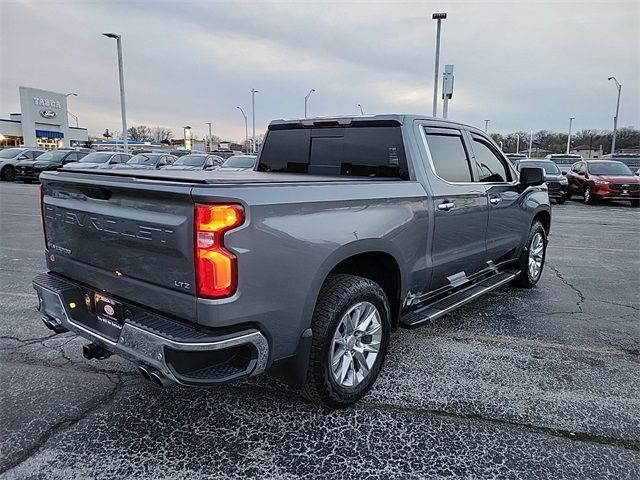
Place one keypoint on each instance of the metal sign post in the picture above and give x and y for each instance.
(447, 88)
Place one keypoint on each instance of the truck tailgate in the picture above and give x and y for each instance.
(130, 238)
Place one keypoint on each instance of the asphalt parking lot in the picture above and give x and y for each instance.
(541, 383)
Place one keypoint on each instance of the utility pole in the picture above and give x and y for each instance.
(253, 115)
(486, 125)
(123, 110)
(209, 142)
(246, 131)
(439, 17)
(571, 119)
(361, 111)
(306, 99)
(530, 141)
(615, 119)
(517, 143)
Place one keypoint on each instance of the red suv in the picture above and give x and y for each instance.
(603, 179)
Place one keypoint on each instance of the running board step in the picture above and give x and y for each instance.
(430, 312)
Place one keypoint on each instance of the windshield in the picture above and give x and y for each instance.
(239, 161)
(52, 156)
(549, 167)
(612, 168)
(143, 159)
(566, 160)
(96, 157)
(191, 160)
(10, 152)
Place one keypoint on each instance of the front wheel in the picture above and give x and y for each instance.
(8, 173)
(533, 257)
(567, 195)
(588, 196)
(561, 200)
(351, 330)
(635, 203)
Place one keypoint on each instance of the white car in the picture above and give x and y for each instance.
(100, 160)
(10, 156)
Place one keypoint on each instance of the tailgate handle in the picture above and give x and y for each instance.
(98, 193)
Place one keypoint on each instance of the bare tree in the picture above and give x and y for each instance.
(161, 134)
(141, 133)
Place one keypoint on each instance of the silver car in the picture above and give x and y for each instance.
(100, 160)
(10, 156)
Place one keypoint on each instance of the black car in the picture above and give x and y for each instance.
(148, 161)
(556, 181)
(30, 170)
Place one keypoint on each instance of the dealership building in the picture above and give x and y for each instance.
(43, 122)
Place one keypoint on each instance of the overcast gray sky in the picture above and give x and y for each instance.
(522, 64)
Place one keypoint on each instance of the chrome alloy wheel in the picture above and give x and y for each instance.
(356, 344)
(536, 256)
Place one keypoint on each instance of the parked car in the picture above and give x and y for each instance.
(556, 182)
(148, 161)
(100, 160)
(196, 161)
(631, 160)
(78, 149)
(239, 163)
(225, 153)
(564, 160)
(30, 170)
(514, 158)
(348, 229)
(9, 157)
(603, 180)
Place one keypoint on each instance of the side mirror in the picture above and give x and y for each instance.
(23, 157)
(531, 176)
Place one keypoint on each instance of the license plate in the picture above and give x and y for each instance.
(109, 311)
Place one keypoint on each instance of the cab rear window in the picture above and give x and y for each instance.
(342, 151)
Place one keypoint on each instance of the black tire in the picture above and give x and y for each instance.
(567, 196)
(337, 296)
(588, 196)
(526, 279)
(561, 200)
(27, 180)
(8, 173)
(635, 203)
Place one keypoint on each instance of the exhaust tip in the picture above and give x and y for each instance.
(52, 325)
(145, 373)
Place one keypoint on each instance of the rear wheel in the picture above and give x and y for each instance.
(8, 173)
(588, 196)
(533, 257)
(351, 330)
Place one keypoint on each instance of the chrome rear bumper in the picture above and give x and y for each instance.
(182, 354)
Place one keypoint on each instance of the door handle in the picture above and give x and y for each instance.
(446, 206)
(495, 200)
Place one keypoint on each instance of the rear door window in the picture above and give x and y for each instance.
(448, 154)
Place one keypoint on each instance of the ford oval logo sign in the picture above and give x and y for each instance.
(47, 113)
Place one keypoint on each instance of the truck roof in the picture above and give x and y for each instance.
(391, 119)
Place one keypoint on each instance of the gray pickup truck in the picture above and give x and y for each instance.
(348, 229)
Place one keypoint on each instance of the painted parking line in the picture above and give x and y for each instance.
(17, 294)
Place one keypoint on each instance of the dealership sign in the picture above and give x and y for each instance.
(47, 102)
(47, 113)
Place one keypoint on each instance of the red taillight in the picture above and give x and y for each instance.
(216, 269)
(44, 232)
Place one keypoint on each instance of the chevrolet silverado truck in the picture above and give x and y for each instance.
(346, 229)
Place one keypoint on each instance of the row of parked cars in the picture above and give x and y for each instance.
(614, 177)
(26, 164)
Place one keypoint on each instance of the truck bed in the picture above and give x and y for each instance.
(222, 177)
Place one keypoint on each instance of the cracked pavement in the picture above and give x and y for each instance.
(520, 384)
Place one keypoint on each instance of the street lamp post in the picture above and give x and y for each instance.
(517, 143)
(246, 130)
(209, 142)
(439, 17)
(75, 117)
(184, 132)
(530, 141)
(123, 110)
(306, 99)
(253, 119)
(571, 119)
(615, 119)
(361, 111)
(486, 125)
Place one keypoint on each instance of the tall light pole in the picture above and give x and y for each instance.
(571, 119)
(615, 119)
(75, 117)
(530, 140)
(439, 17)
(253, 116)
(486, 125)
(246, 131)
(123, 110)
(306, 99)
(361, 111)
(517, 143)
(209, 142)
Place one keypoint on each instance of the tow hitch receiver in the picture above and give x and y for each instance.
(91, 350)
